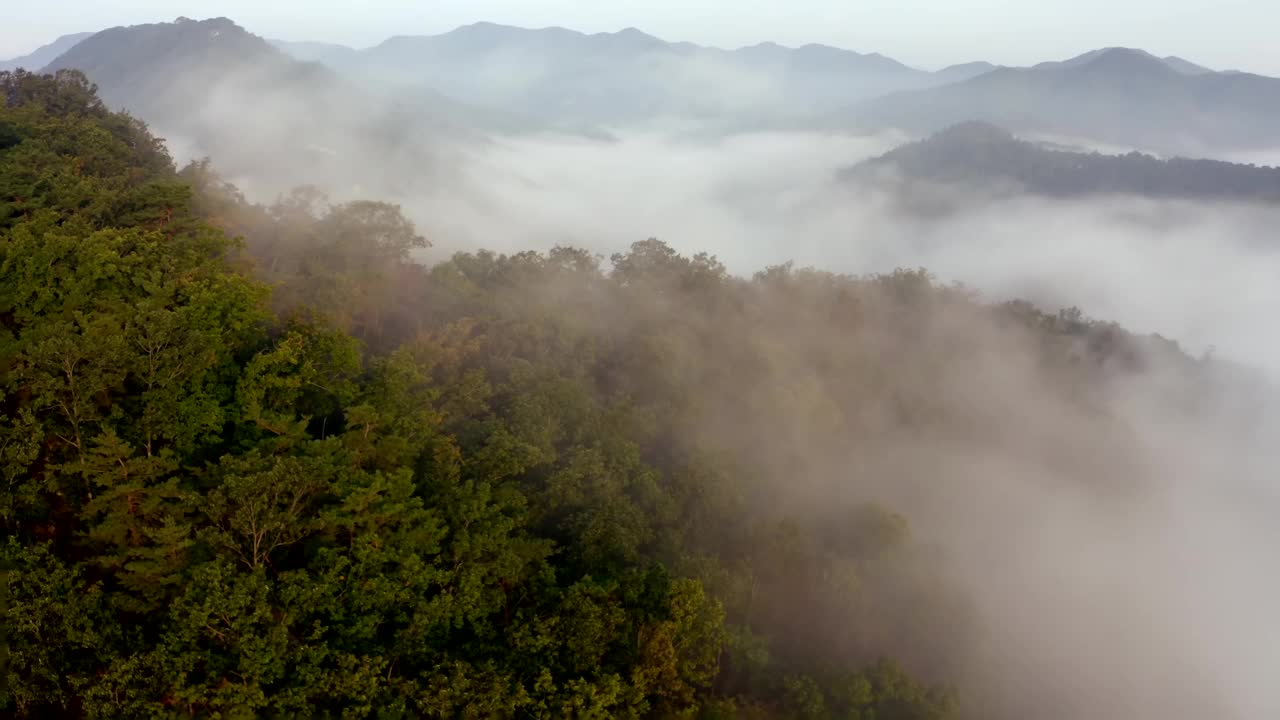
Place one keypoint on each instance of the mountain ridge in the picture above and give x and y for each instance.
(556, 77)
(980, 157)
(629, 75)
(311, 50)
(1115, 95)
(45, 54)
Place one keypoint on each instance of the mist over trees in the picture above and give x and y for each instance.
(368, 392)
(258, 461)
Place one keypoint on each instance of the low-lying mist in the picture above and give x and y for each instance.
(1128, 580)
(1156, 606)
(1198, 273)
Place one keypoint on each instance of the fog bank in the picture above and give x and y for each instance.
(1201, 274)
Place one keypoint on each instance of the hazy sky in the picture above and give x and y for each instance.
(926, 33)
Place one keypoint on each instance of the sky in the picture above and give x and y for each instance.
(930, 34)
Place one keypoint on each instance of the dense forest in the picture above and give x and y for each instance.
(258, 462)
(980, 155)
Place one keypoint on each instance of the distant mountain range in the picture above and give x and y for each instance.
(627, 76)
(494, 78)
(1185, 67)
(977, 156)
(1117, 95)
(328, 53)
(1113, 95)
(569, 79)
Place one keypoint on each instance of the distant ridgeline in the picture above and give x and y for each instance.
(209, 80)
(980, 156)
(1117, 96)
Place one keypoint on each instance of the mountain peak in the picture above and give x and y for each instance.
(102, 55)
(973, 132)
(214, 23)
(70, 39)
(634, 38)
(763, 51)
(826, 51)
(485, 29)
(1185, 67)
(1127, 62)
(45, 54)
(965, 71)
(1122, 54)
(1114, 60)
(482, 26)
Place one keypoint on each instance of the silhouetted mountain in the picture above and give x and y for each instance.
(306, 51)
(1185, 66)
(965, 71)
(559, 78)
(45, 54)
(559, 74)
(162, 68)
(979, 157)
(1116, 95)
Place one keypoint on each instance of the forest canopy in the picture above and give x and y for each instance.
(260, 462)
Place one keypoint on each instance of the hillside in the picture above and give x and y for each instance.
(1116, 96)
(212, 88)
(978, 155)
(165, 67)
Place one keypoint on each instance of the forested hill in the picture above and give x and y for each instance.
(299, 475)
(979, 155)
